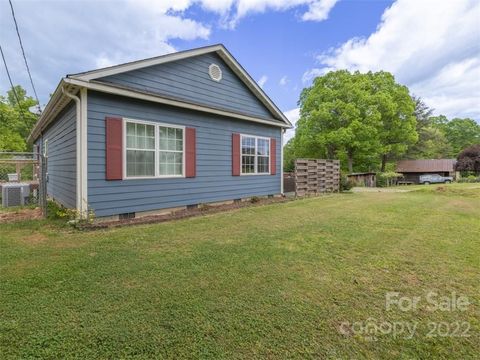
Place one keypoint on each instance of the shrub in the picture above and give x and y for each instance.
(469, 179)
(388, 178)
(469, 159)
(55, 211)
(345, 183)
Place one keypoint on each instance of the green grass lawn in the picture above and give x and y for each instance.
(279, 281)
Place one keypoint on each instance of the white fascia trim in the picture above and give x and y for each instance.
(48, 112)
(109, 89)
(252, 84)
(140, 64)
(221, 51)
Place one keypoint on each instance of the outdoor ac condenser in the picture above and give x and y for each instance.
(15, 194)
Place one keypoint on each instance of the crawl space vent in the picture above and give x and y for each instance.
(215, 72)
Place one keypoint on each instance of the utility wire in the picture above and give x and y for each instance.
(24, 57)
(9, 77)
(13, 87)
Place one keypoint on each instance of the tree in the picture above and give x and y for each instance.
(289, 156)
(423, 113)
(432, 143)
(397, 130)
(16, 119)
(469, 159)
(460, 133)
(338, 117)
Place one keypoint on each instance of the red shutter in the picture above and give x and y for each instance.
(113, 149)
(190, 153)
(236, 154)
(273, 156)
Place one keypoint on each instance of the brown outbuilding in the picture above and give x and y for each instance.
(412, 169)
(367, 179)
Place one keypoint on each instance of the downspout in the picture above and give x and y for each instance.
(79, 177)
(282, 132)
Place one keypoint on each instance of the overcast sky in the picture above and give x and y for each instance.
(432, 46)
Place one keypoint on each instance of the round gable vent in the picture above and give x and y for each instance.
(215, 72)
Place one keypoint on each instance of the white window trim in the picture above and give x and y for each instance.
(256, 156)
(157, 125)
(45, 148)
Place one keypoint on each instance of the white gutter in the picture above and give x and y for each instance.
(117, 90)
(81, 200)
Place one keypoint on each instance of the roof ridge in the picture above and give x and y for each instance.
(147, 59)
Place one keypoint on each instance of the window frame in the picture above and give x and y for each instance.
(45, 148)
(157, 150)
(256, 137)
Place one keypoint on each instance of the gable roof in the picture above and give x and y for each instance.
(426, 165)
(88, 79)
(219, 49)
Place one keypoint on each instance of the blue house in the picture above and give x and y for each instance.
(181, 129)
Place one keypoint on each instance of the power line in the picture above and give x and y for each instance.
(11, 84)
(9, 77)
(24, 57)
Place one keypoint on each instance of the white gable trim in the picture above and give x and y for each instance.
(140, 64)
(116, 90)
(219, 49)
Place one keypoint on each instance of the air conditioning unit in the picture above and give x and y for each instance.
(15, 194)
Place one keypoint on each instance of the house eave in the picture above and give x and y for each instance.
(74, 82)
(166, 100)
(55, 105)
(219, 49)
(58, 101)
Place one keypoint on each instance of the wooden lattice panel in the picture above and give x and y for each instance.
(313, 176)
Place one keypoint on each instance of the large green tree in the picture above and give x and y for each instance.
(397, 130)
(360, 118)
(338, 118)
(460, 133)
(16, 119)
(432, 142)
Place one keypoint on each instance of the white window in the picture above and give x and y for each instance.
(45, 148)
(153, 150)
(170, 151)
(255, 155)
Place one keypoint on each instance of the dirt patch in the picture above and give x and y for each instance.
(412, 279)
(379, 190)
(183, 214)
(34, 239)
(20, 215)
(345, 329)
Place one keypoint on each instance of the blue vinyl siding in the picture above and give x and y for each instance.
(188, 80)
(62, 157)
(213, 181)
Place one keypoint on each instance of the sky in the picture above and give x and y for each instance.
(432, 46)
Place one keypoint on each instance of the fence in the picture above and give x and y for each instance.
(288, 182)
(25, 167)
(18, 166)
(314, 176)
